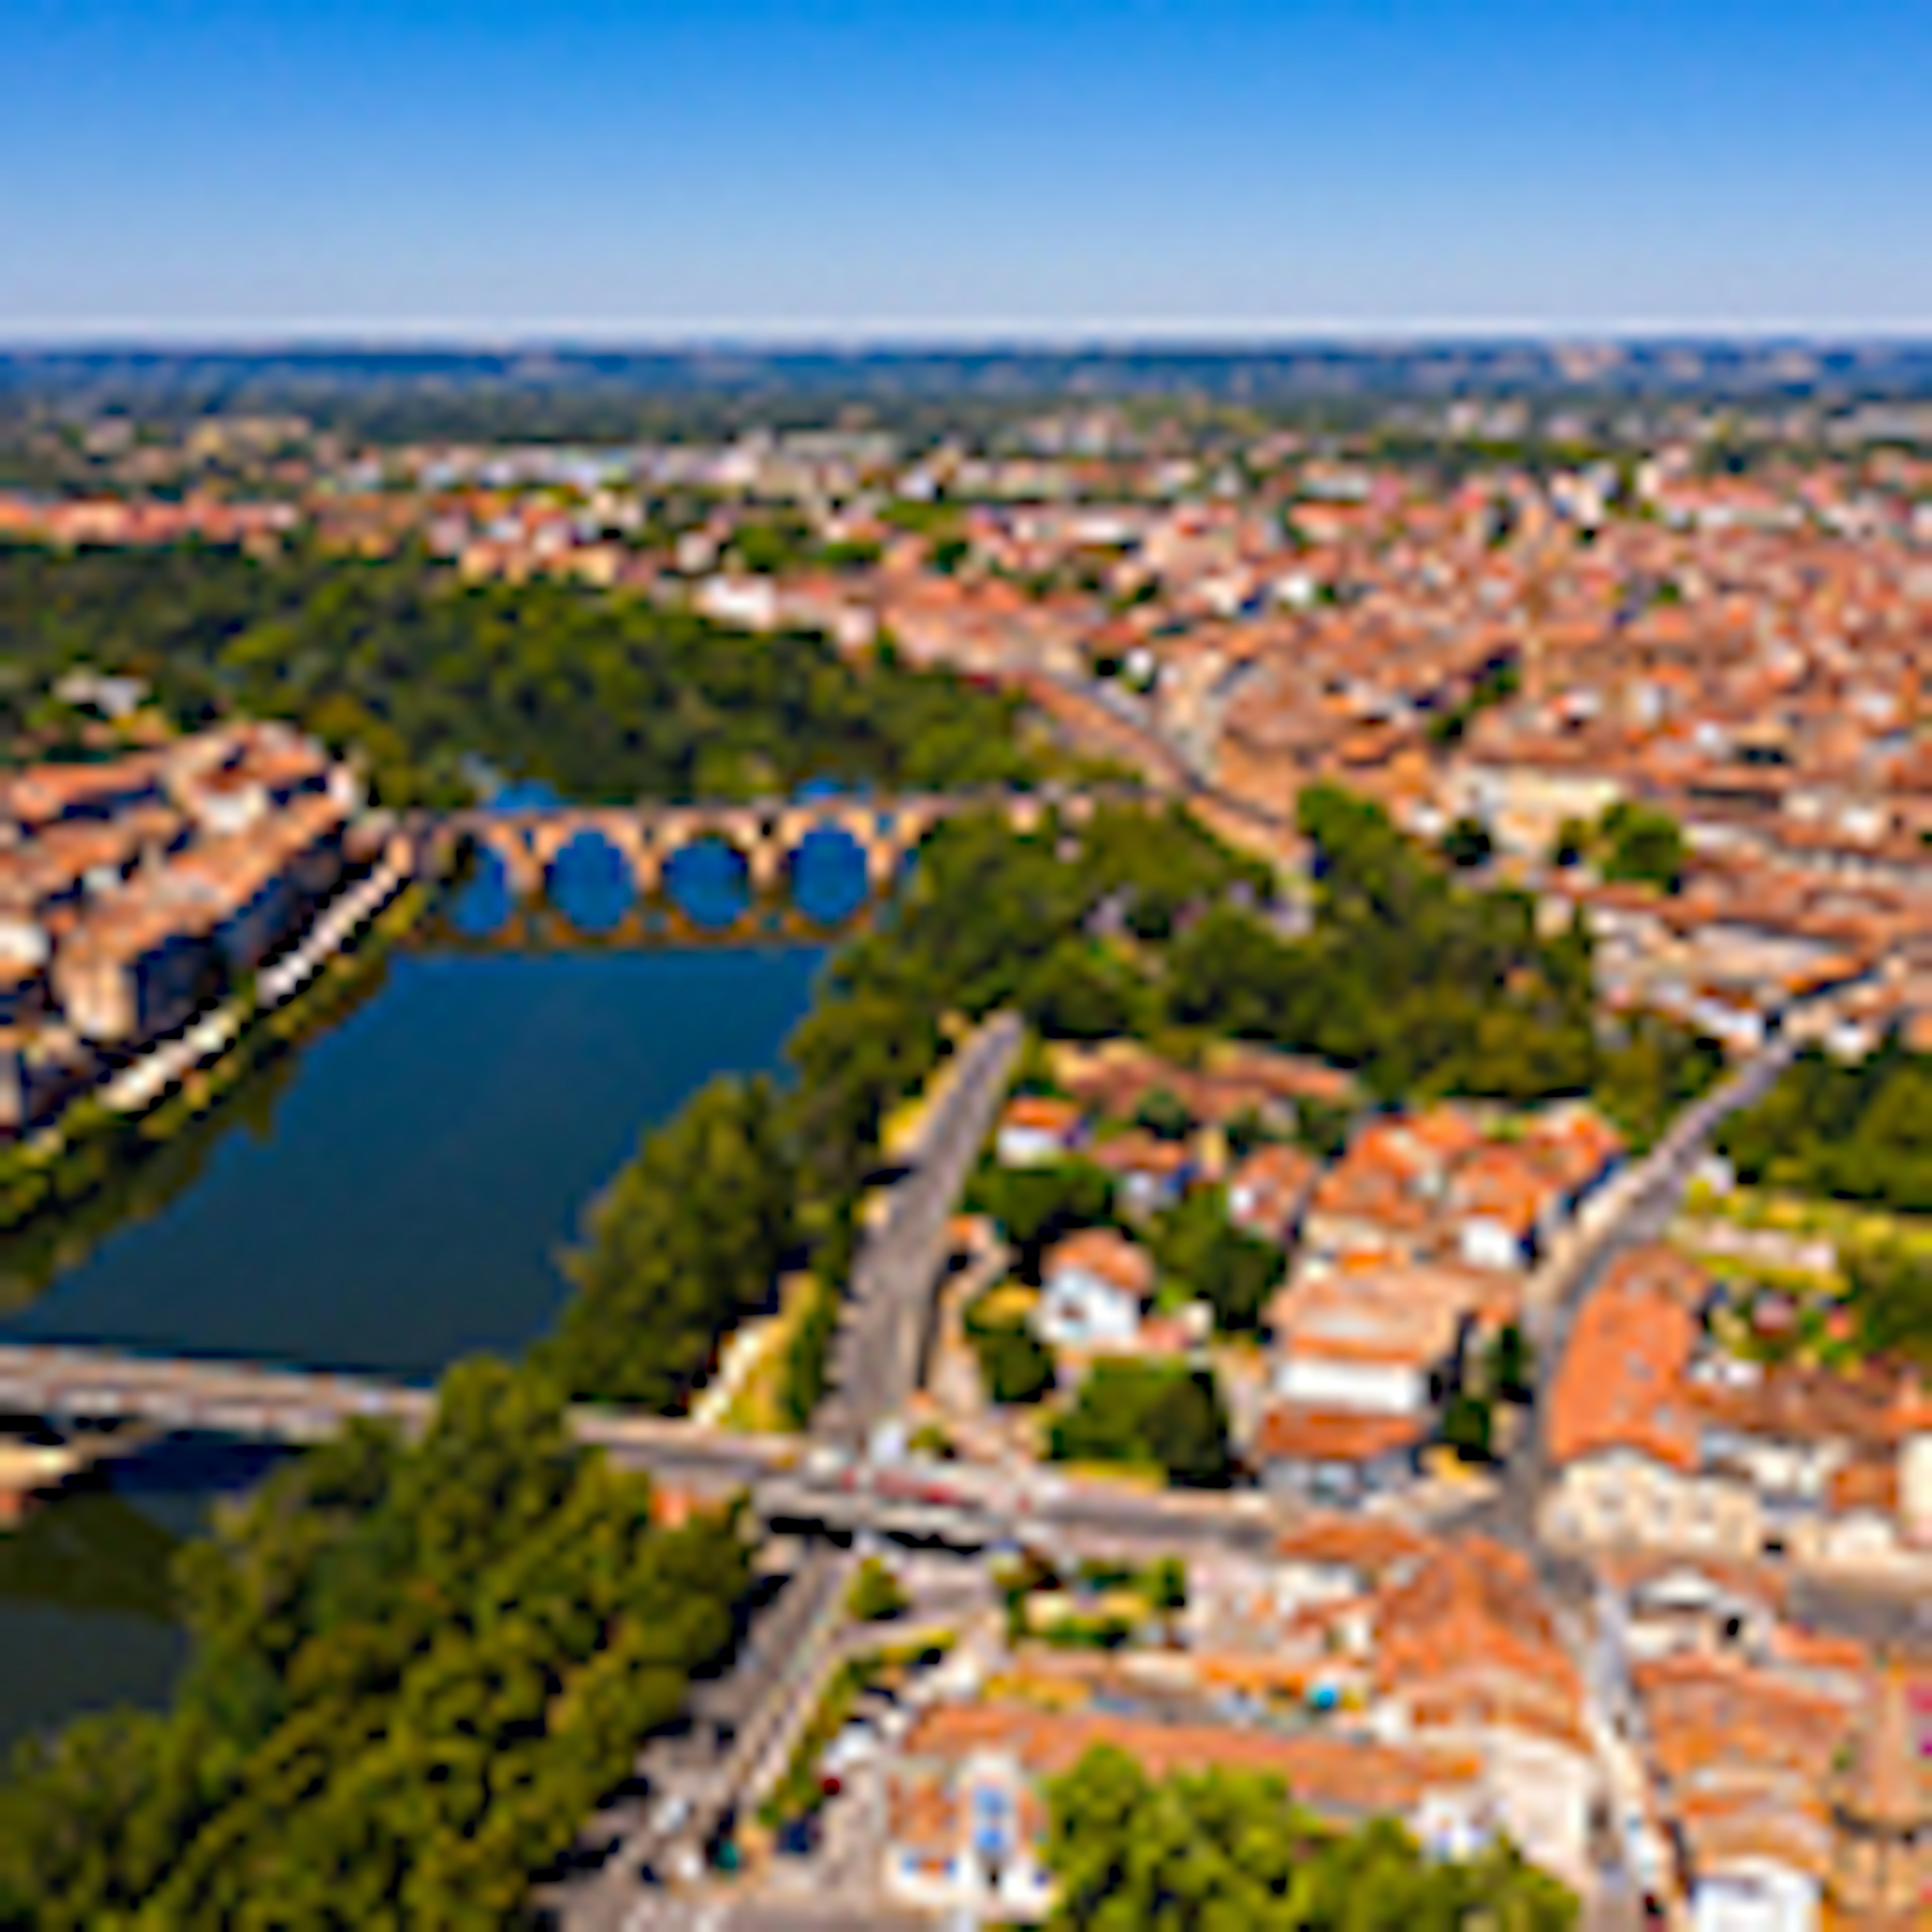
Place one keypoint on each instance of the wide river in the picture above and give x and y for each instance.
(399, 1195)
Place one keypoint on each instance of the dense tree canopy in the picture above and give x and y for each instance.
(686, 1242)
(416, 1671)
(602, 696)
(1202, 1255)
(1859, 1132)
(1217, 1850)
(1427, 985)
(1154, 1413)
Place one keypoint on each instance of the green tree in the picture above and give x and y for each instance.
(1218, 1848)
(1467, 845)
(1130, 1410)
(1202, 1255)
(1643, 843)
(875, 1596)
(1469, 1425)
(687, 1241)
(1014, 1364)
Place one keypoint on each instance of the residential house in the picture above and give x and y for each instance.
(1095, 1286)
(1468, 1660)
(1037, 1130)
(1149, 1174)
(1269, 1190)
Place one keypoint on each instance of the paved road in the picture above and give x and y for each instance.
(1646, 1199)
(876, 1353)
(779, 1673)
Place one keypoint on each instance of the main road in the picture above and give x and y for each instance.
(876, 1352)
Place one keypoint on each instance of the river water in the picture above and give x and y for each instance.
(397, 1195)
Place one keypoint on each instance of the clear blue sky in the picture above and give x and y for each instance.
(838, 168)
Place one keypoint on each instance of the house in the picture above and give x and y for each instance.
(1503, 1206)
(1622, 1429)
(1268, 1191)
(1036, 1130)
(1468, 1660)
(1149, 1174)
(1095, 1285)
(1380, 1337)
(135, 968)
(1336, 1457)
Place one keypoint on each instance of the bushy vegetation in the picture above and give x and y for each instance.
(602, 696)
(1201, 1256)
(1015, 1366)
(1860, 1131)
(1155, 1414)
(1218, 1848)
(687, 1241)
(416, 1671)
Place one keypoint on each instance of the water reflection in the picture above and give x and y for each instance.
(709, 883)
(89, 1613)
(590, 894)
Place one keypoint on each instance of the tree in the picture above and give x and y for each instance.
(688, 1240)
(1014, 1364)
(1643, 843)
(1571, 844)
(875, 1596)
(1130, 1410)
(1509, 1365)
(1202, 1255)
(1219, 1849)
(1467, 845)
(416, 1668)
(1467, 1425)
(1080, 993)
(1035, 1206)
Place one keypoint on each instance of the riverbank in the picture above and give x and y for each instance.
(181, 1079)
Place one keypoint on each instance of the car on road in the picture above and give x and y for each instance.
(672, 1814)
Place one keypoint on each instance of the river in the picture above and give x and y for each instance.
(397, 1195)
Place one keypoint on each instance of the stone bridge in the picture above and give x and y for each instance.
(766, 834)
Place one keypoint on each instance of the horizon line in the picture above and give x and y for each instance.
(1010, 338)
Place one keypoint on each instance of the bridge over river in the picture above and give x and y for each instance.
(765, 833)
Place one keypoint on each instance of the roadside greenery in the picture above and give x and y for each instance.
(1220, 1848)
(602, 696)
(1856, 1131)
(416, 1671)
(1158, 1413)
(1015, 1366)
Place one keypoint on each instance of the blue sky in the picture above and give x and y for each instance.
(834, 169)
